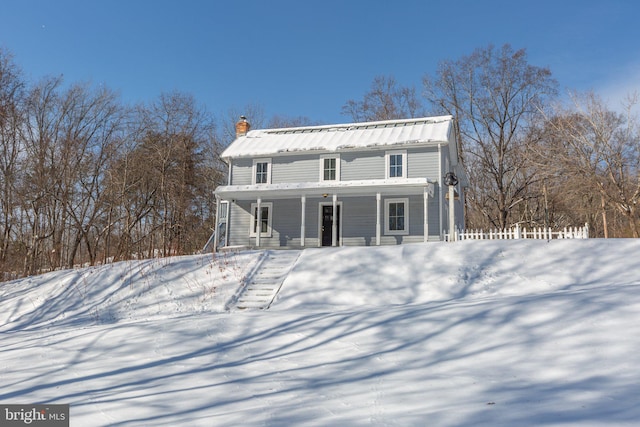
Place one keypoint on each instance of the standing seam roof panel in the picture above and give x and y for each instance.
(333, 138)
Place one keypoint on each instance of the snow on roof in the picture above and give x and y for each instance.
(288, 189)
(262, 142)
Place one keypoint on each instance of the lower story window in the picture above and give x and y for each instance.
(396, 216)
(264, 226)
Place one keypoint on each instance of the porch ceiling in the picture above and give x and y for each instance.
(407, 186)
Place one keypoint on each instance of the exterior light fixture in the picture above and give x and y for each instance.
(451, 179)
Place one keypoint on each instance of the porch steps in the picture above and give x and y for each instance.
(265, 280)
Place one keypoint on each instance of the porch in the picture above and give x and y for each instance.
(329, 214)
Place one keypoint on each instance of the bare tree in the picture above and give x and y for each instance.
(69, 139)
(12, 92)
(91, 132)
(386, 100)
(44, 235)
(599, 149)
(130, 190)
(177, 135)
(84, 179)
(495, 95)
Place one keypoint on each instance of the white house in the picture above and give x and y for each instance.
(374, 183)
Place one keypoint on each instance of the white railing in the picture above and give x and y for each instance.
(521, 233)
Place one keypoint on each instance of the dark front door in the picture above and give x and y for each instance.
(327, 225)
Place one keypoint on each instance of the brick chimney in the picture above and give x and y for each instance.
(242, 127)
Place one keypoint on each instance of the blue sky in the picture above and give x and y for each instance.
(307, 58)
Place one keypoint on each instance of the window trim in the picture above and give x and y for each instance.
(252, 231)
(254, 171)
(389, 232)
(329, 156)
(387, 157)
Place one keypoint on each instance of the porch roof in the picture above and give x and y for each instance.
(405, 186)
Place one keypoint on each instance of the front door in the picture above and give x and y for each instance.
(327, 225)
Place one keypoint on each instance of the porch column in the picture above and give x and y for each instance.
(334, 222)
(452, 214)
(216, 232)
(378, 198)
(259, 222)
(303, 201)
(226, 223)
(440, 194)
(426, 214)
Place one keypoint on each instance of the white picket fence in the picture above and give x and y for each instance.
(521, 233)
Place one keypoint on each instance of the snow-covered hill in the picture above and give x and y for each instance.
(495, 333)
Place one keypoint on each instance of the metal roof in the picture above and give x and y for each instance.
(266, 142)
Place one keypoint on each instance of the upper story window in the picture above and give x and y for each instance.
(396, 163)
(330, 167)
(262, 171)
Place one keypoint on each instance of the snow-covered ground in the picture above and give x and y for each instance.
(485, 333)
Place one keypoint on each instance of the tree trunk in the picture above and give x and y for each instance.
(604, 218)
